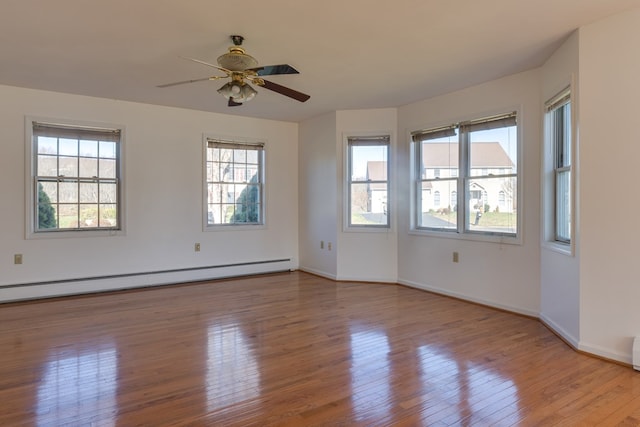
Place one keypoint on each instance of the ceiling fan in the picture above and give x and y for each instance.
(243, 69)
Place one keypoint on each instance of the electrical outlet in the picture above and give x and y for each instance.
(321, 244)
(329, 245)
(456, 257)
(197, 247)
(17, 259)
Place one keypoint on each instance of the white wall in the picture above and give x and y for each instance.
(318, 194)
(609, 201)
(559, 271)
(366, 255)
(164, 187)
(502, 275)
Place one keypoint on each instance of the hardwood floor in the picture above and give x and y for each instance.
(295, 349)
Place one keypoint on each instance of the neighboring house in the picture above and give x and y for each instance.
(440, 163)
(377, 192)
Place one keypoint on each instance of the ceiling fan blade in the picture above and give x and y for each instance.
(270, 70)
(207, 64)
(184, 82)
(298, 96)
(233, 103)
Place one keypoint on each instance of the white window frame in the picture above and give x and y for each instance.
(551, 170)
(31, 179)
(461, 231)
(246, 143)
(378, 139)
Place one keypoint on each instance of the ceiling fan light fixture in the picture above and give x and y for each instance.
(238, 91)
(230, 89)
(248, 93)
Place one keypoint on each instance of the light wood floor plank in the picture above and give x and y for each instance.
(295, 349)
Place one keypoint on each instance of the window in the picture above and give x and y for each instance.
(76, 178)
(558, 121)
(368, 181)
(481, 157)
(235, 183)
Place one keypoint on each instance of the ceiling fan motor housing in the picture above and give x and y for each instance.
(237, 60)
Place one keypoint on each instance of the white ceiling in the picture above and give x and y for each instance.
(352, 54)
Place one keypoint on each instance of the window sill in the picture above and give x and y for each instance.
(475, 237)
(32, 235)
(561, 248)
(366, 228)
(230, 227)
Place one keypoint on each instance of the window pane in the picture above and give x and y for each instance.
(252, 156)
(210, 173)
(226, 155)
(68, 147)
(247, 207)
(214, 214)
(68, 192)
(561, 123)
(563, 206)
(108, 193)
(566, 137)
(432, 212)
(89, 148)
(227, 213)
(47, 165)
(108, 215)
(46, 208)
(47, 145)
(88, 167)
(239, 156)
(50, 190)
(107, 168)
(485, 212)
(68, 166)
(68, 216)
(439, 157)
(369, 204)
(107, 149)
(493, 152)
(369, 162)
(88, 192)
(215, 193)
(226, 172)
(88, 216)
(241, 173)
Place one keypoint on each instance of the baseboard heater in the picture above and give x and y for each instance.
(61, 287)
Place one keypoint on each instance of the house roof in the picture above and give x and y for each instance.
(377, 170)
(484, 155)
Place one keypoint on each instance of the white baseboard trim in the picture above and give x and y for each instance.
(519, 310)
(318, 273)
(367, 279)
(557, 329)
(605, 353)
(28, 291)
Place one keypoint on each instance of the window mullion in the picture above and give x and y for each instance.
(463, 177)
